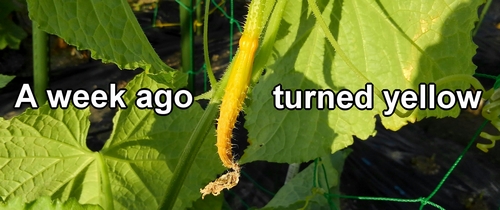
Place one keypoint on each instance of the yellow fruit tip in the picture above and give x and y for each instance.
(226, 181)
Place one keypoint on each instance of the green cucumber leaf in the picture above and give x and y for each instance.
(5, 79)
(46, 203)
(155, 143)
(173, 79)
(108, 29)
(300, 191)
(395, 44)
(43, 152)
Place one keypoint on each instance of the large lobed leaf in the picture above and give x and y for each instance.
(108, 29)
(43, 153)
(155, 143)
(395, 44)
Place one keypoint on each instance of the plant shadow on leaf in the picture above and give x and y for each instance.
(76, 188)
(144, 150)
(334, 28)
(205, 167)
(437, 53)
(452, 55)
(396, 46)
(281, 135)
(378, 47)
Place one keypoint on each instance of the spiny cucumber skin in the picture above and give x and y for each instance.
(253, 26)
(239, 79)
(235, 94)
